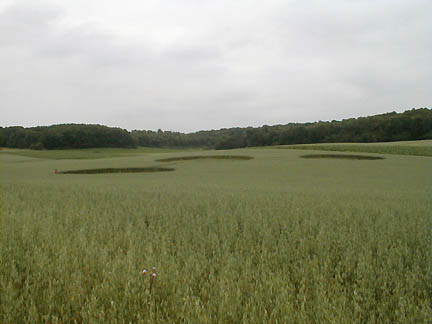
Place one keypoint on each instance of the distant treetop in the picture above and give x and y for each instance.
(414, 124)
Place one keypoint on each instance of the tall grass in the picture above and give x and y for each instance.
(91, 153)
(276, 252)
(367, 148)
(77, 255)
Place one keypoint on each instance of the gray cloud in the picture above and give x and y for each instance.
(190, 66)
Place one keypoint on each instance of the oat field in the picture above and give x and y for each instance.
(272, 239)
(417, 148)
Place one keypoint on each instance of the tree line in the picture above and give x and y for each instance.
(412, 124)
(66, 136)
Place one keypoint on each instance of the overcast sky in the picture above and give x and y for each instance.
(187, 65)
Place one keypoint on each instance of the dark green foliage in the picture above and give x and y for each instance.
(415, 124)
(118, 170)
(66, 136)
(342, 156)
(37, 146)
(204, 139)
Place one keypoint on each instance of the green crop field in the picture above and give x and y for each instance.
(92, 153)
(273, 239)
(418, 148)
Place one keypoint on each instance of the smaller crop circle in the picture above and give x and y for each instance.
(342, 156)
(206, 157)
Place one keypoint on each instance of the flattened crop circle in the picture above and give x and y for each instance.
(206, 157)
(117, 170)
(342, 156)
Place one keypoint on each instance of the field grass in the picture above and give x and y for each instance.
(417, 148)
(274, 239)
(91, 153)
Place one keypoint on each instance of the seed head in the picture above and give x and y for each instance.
(154, 269)
(154, 275)
(144, 272)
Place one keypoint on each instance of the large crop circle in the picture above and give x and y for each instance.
(117, 170)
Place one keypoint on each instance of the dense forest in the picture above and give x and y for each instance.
(65, 136)
(412, 124)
